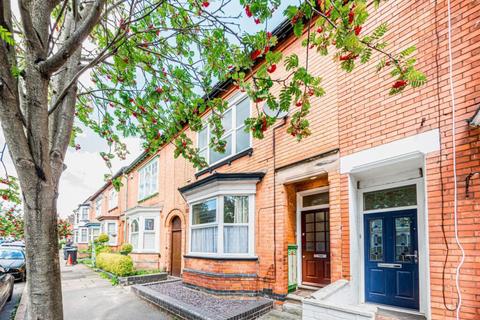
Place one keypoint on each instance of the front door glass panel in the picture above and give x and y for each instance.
(376, 240)
(403, 239)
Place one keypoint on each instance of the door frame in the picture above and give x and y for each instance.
(301, 208)
(422, 238)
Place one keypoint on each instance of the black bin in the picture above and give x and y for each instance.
(73, 253)
(65, 254)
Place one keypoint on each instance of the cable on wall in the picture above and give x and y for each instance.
(455, 186)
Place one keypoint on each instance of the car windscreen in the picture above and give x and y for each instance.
(11, 254)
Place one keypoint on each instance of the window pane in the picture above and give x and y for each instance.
(149, 224)
(227, 120)
(390, 198)
(202, 138)
(149, 241)
(315, 199)
(243, 139)
(235, 209)
(216, 156)
(243, 112)
(235, 239)
(403, 239)
(376, 239)
(134, 240)
(134, 226)
(204, 212)
(204, 240)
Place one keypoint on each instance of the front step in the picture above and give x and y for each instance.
(280, 315)
(293, 303)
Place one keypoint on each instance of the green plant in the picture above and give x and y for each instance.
(103, 249)
(115, 263)
(112, 278)
(102, 238)
(126, 248)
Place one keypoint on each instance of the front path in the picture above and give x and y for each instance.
(87, 296)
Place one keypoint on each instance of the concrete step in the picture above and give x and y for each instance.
(293, 307)
(280, 315)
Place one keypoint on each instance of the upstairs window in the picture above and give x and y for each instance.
(148, 180)
(98, 206)
(237, 139)
(84, 213)
(113, 199)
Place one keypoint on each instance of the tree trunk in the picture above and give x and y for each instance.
(43, 265)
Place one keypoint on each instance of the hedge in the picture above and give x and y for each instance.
(115, 263)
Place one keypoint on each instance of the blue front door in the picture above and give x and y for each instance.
(391, 258)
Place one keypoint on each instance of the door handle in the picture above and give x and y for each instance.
(414, 255)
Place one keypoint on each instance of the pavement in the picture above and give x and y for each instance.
(10, 307)
(87, 296)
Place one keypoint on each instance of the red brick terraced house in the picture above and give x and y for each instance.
(367, 204)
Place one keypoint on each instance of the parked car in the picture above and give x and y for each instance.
(12, 259)
(19, 244)
(6, 287)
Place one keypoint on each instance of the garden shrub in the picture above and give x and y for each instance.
(102, 238)
(115, 263)
(126, 248)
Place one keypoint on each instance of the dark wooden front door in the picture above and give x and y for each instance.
(176, 248)
(315, 247)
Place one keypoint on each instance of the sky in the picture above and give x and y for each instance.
(85, 169)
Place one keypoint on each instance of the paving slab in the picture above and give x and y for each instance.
(87, 296)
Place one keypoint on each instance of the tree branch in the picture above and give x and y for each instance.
(53, 63)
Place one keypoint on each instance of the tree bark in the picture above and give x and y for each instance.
(43, 265)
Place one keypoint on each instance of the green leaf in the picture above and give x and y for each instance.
(291, 62)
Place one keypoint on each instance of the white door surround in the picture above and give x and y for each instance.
(396, 164)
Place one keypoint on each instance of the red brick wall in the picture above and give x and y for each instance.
(369, 117)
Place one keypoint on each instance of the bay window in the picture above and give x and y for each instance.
(134, 234)
(112, 233)
(149, 234)
(233, 122)
(83, 235)
(222, 226)
(148, 179)
(143, 232)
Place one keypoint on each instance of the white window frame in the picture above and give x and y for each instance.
(75, 236)
(141, 174)
(84, 217)
(136, 220)
(112, 199)
(105, 230)
(98, 206)
(234, 102)
(91, 233)
(140, 216)
(220, 225)
(80, 230)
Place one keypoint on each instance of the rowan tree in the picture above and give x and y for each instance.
(153, 64)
